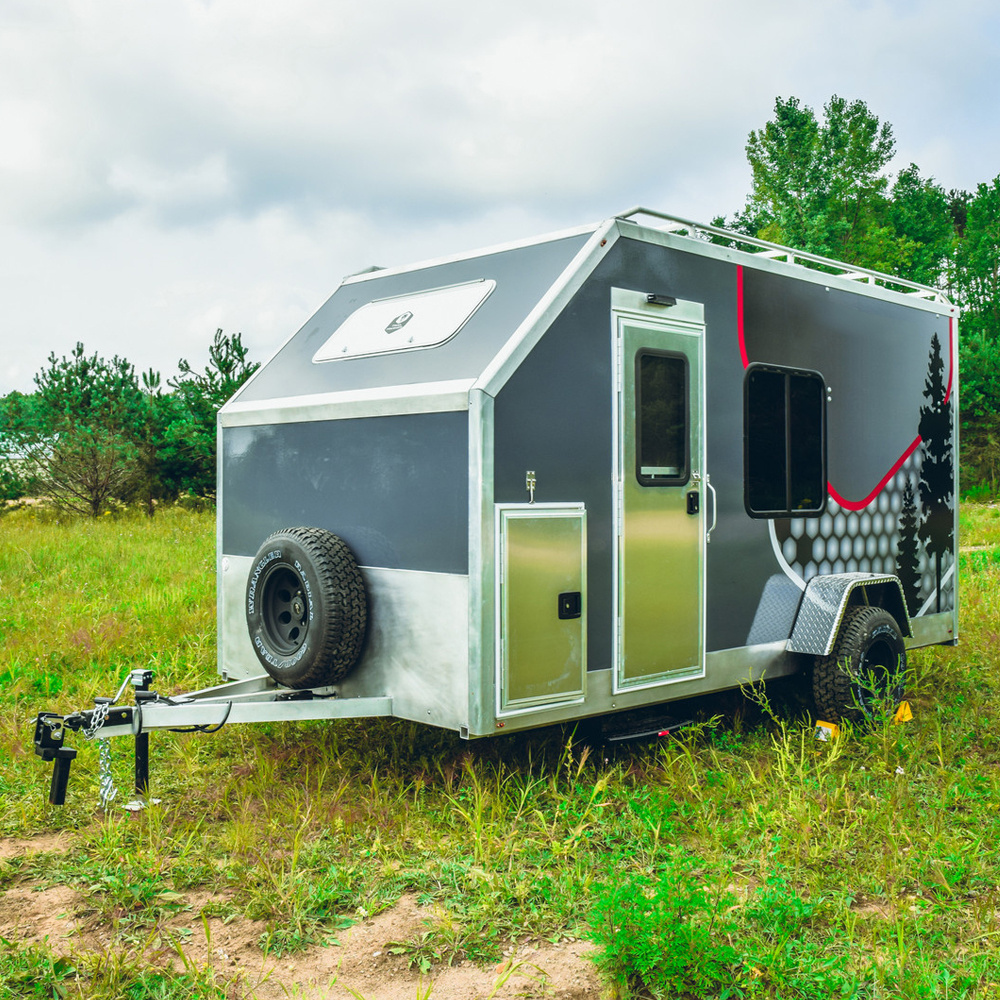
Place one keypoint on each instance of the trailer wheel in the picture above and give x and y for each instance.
(866, 668)
(306, 607)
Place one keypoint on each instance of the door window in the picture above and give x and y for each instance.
(662, 457)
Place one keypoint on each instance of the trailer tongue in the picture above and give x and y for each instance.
(256, 699)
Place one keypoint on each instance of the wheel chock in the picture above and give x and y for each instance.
(903, 714)
(826, 731)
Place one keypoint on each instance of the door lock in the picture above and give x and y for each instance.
(693, 502)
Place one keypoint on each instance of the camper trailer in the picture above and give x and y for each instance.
(598, 470)
(601, 469)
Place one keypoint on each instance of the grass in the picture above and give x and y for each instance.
(744, 859)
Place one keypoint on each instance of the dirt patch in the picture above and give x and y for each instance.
(361, 962)
(30, 915)
(16, 847)
(874, 908)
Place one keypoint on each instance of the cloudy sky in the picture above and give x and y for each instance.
(168, 167)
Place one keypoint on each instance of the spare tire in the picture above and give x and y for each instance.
(866, 667)
(306, 608)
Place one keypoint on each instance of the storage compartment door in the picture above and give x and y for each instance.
(542, 613)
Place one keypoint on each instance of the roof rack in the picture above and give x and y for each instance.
(774, 251)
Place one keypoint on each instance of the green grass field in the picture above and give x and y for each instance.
(745, 859)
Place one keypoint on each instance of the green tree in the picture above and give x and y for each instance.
(979, 364)
(17, 476)
(920, 215)
(976, 276)
(93, 433)
(818, 185)
(975, 285)
(821, 185)
(76, 438)
(151, 437)
(198, 396)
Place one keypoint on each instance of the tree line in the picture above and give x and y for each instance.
(820, 183)
(94, 433)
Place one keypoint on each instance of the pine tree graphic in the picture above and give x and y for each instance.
(908, 556)
(937, 475)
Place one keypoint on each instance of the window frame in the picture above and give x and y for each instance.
(788, 374)
(685, 474)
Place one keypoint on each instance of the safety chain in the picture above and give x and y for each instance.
(97, 720)
(106, 783)
(107, 791)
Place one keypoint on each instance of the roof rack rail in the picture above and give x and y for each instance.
(800, 258)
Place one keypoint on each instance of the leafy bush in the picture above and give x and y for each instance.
(662, 932)
(676, 936)
(28, 972)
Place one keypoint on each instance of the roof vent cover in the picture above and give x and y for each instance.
(408, 322)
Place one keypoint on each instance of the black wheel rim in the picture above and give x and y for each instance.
(878, 673)
(285, 610)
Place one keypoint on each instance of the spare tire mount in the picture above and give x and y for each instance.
(306, 608)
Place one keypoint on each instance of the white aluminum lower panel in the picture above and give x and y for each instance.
(416, 652)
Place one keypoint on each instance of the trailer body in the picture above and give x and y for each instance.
(603, 469)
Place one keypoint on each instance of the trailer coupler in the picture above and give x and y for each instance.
(50, 736)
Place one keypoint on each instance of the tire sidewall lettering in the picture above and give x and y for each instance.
(255, 614)
(307, 586)
(882, 632)
(279, 663)
(259, 568)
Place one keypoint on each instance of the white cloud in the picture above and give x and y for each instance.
(171, 166)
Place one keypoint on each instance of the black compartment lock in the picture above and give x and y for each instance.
(570, 604)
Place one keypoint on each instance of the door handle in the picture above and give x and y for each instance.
(715, 508)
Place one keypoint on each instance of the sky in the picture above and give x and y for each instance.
(170, 167)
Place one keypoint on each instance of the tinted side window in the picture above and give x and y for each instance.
(784, 442)
(661, 419)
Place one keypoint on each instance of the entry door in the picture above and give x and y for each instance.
(660, 500)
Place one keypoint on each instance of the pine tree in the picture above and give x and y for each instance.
(937, 474)
(908, 557)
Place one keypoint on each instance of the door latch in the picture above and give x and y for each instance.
(693, 502)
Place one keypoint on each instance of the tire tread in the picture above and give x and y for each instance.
(833, 694)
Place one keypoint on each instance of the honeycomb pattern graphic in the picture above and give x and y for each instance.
(863, 541)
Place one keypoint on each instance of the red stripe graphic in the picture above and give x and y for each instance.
(861, 504)
(951, 360)
(842, 501)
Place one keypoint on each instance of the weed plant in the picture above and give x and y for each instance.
(742, 859)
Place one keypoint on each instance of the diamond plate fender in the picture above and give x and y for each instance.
(825, 600)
